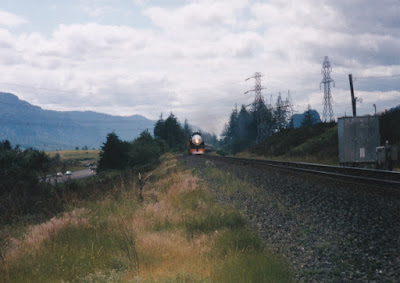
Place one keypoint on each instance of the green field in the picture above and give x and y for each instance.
(76, 154)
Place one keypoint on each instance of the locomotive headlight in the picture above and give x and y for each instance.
(196, 139)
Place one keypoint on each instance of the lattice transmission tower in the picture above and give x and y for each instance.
(259, 106)
(327, 80)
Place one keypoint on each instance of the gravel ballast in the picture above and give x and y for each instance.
(328, 230)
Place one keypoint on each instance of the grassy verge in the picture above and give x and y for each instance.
(179, 233)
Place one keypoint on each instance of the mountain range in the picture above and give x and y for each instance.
(28, 126)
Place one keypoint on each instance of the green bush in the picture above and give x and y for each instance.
(145, 150)
(23, 189)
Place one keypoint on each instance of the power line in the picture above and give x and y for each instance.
(376, 77)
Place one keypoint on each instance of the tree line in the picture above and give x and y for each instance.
(169, 135)
(242, 130)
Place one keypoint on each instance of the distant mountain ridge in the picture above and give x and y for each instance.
(30, 126)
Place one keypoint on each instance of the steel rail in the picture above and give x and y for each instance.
(362, 174)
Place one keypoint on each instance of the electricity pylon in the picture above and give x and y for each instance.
(259, 106)
(327, 80)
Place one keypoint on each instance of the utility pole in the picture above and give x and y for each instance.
(353, 99)
(259, 106)
(326, 72)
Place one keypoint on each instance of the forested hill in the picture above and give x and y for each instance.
(31, 126)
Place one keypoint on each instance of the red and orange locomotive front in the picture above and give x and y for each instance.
(195, 144)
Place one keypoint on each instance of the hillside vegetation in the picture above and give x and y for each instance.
(318, 143)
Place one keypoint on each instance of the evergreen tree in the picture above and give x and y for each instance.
(187, 130)
(244, 120)
(174, 133)
(114, 153)
(308, 118)
(268, 119)
(144, 150)
(171, 132)
(281, 114)
(240, 132)
(159, 128)
(5, 145)
(233, 128)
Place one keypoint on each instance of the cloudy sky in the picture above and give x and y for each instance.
(191, 57)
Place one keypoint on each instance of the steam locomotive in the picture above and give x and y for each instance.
(195, 144)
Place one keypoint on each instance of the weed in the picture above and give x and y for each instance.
(191, 200)
(235, 241)
(162, 225)
(227, 182)
(128, 244)
(251, 267)
(214, 218)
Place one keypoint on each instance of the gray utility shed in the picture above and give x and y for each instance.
(358, 139)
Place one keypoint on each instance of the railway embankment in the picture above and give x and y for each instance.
(330, 230)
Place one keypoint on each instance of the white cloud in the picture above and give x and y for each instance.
(98, 11)
(140, 3)
(195, 60)
(11, 20)
(196, 16)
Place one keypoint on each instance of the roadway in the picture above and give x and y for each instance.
(81, 174)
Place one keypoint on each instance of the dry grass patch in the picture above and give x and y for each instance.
(167, 254)
(38, 234)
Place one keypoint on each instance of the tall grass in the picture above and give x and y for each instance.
(213, 219)
(179, 233)
(73, 247)
(70, 256)
(251, 267)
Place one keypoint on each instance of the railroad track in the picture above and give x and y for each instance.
(360, 174)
